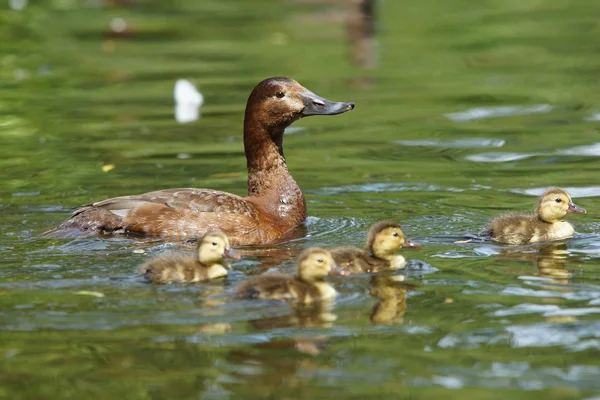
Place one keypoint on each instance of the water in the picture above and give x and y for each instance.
(473, 109)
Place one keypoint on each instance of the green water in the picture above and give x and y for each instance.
(474, 320)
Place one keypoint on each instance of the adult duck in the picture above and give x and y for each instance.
(546, 224)
(274, 206)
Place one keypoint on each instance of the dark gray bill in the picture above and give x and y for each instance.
(317, 105)
(573, 209)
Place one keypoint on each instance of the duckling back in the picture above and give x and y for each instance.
(278, 287)
(171, 268)
(524, 228)
(353, 260)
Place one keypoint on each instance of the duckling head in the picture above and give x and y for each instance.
(385, 238)
(555, 203)
(315, 263)
(213, 247)
(279, 101)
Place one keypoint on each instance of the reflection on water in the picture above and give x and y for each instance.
(452, 126)
(391, 296)
(495, 112)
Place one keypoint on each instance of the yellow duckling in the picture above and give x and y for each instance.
(545, 225)
(384, 239)
(213, 247)
(313, 265)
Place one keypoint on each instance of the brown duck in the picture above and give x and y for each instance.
(546, 224)
(274, 206)
(384, 239)
(208, 264)
(313, 265)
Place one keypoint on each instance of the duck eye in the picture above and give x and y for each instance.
(396, 234)
(279, 94)
(319, 260)
(558, 200)
(214, 243)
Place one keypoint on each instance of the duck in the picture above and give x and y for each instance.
(307, 286)
(546, 224)
(384, 239)
(207, 264)
(274, 206)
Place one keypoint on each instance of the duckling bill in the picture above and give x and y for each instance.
(208, 263)
(546, 224)
(384, 239)
(307, 286)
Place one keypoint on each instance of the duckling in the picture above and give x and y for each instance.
(545, 225)
(384, 239)
(213, 247)
(307, 286)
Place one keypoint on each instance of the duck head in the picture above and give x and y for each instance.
(279, 101)
(385, 238)
(555, 203)
(213, 247)
(315, 263)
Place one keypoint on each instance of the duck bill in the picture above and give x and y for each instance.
(229, 253)
(337, 271)
(573, 209)
(409, 244)
(317, 105)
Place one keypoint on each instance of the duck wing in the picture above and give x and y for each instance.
(187, 213)
(202, 200)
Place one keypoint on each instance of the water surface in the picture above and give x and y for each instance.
(473, 109)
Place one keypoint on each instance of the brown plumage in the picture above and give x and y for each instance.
(274, 205)
(546, 224)
(307, 286)
(384, 239)
(207, 264)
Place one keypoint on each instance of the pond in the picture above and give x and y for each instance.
(471, 109)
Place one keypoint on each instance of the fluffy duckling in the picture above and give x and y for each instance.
(208, 264)
(546, 224)
(384, 239)
(307, 286)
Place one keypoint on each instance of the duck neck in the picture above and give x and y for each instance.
(268, 175)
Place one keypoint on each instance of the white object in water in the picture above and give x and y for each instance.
(187, 101)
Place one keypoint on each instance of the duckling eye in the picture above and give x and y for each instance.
(279, 94)
(396, 234)
(558, 200)
(214, 243)
(319, 260)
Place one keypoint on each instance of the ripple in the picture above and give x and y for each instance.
(476, 113)
(593, 117)
(521, 309)
(585, 191)
(585, 150)
(574, 336)
(499, 157)
(385, 187)
(25, 194)
(348, 228)
(457, 143)
(520, 375)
